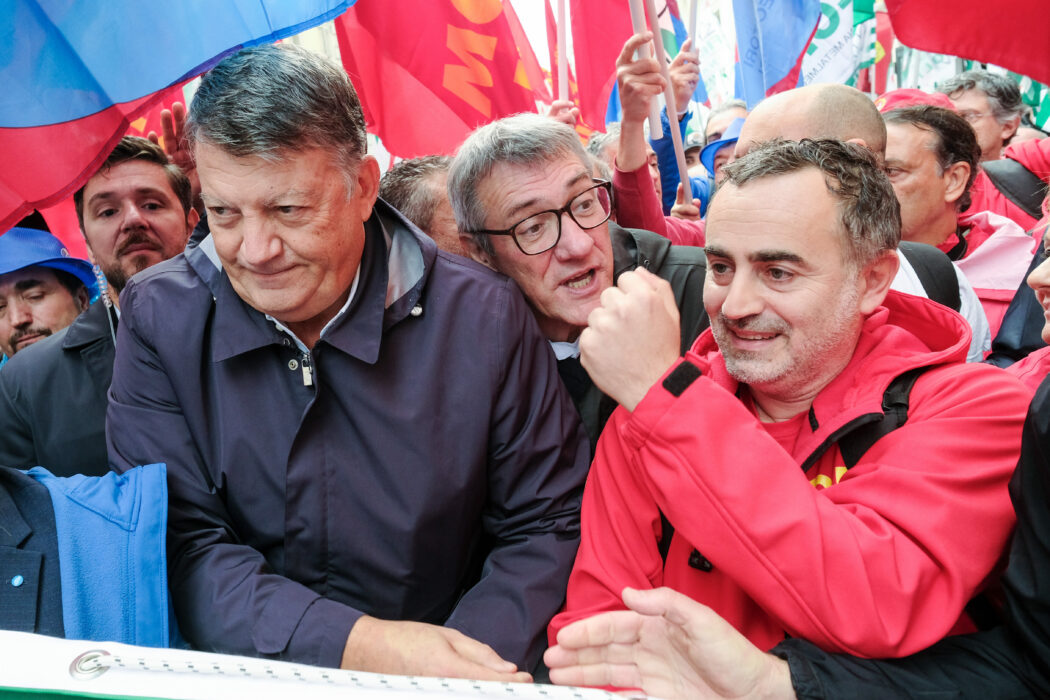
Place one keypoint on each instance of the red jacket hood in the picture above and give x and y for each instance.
(906, 332)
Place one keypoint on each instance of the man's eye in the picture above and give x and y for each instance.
(719, 268)
(106, 213)
(217, 211)
(288, 209)
(779, 274)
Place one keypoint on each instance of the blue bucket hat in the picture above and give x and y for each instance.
(28, 247)
(729, 136)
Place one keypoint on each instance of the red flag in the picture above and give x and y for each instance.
(150, 121)
(429, 72)
(1014, 35)
(599, 30)
(883, 51)
(529, 64)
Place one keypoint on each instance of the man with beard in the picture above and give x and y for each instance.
(42, 288)
(751, 451)
(134, 212)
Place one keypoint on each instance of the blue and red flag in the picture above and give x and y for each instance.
(76, 75)
(771, 39)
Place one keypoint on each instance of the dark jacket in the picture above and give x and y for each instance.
(1012, 661)
(684, 267)
(28, 557)
(53, 399)
(432, 470)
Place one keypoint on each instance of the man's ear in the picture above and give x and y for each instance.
(1010, 128)
(82, 298)
(875, 280)
(955, 178)
(366, 185)
(475, 251)
(192, 219)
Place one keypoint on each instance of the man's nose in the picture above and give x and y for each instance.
(575, 242)
(19, 313)
(133, 216)
(743, 298)
(258, 241)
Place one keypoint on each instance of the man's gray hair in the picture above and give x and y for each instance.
(868, 208)
(1004, 96)
(411, 188)
(270, 99)
(600, 141)
(523, 140)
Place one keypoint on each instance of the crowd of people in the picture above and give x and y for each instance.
(539, 410)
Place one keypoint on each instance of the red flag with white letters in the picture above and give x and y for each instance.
(428, 73)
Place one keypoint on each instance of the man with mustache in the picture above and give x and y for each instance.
(749, 449)
(134, 212)
(42, 288)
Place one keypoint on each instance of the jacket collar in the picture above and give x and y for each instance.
(395, 265)
(89, 327)
(634, 248)
(904, 333)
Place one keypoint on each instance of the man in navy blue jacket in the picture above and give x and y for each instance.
(372, 463)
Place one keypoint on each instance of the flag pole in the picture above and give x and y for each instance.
(638, 23)
(676, 133)
(563, 58)
(692, 22)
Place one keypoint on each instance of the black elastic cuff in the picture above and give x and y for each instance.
(683, 375)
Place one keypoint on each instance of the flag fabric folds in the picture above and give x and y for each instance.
(1014, 35)
(75, 76)
(430, 72)
(771, 36)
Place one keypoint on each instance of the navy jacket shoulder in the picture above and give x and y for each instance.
(53, 399)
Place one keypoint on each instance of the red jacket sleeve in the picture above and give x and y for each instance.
(638, 207)
(880, 564)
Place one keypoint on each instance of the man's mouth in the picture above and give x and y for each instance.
(581, 281)
(25, 339)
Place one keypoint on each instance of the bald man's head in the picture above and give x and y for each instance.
(825, 111)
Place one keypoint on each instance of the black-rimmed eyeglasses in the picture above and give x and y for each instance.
(541, 232)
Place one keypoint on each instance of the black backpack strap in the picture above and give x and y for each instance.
(895, 401)
(854, 439)
(935, 271)
(1018, 184)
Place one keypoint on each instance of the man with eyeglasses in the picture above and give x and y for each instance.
(527, 205)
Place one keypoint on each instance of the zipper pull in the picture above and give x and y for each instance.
(308, 375)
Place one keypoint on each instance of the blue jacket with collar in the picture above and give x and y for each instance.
(432, 471)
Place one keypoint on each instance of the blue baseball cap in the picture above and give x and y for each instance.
(27, 247)
(729, 136)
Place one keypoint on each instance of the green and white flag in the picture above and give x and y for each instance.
(830, 57)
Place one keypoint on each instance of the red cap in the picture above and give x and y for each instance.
(909, 97)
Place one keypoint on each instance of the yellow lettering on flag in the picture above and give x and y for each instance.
(139, 124)
(479, 11)
(462, 81)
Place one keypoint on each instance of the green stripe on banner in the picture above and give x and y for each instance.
(28, 694)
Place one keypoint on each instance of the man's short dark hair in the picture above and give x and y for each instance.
(137, 148)
(69, 281)
(954, 142)
(1004, 95)
(409, 187)
(272, 99)
(868, 208)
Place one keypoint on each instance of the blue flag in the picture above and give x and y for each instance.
(771, 38)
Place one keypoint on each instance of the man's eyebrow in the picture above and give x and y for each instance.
(24, 285)
(760, 256)
(146, 191)
(530, 203)
(766, 256)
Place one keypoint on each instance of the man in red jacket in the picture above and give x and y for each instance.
(785, 520)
